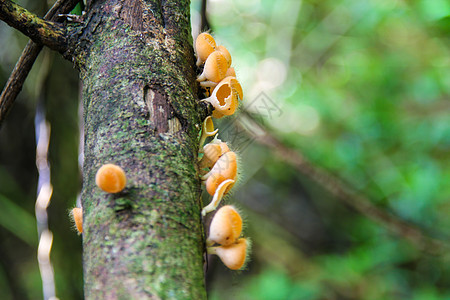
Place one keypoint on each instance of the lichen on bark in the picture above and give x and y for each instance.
(140, 112)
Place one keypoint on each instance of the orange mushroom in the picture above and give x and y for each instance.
(233, 256)
(207, 130)
(230, 72)
(77, 216)
(111, 178)
(225, 168)
(216, 67)
(225, 53)
(212, 152)
(225, 97)
(226, 226)
(204, 46)
(221, 190)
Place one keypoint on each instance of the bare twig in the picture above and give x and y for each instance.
(21, 70)
(345, 193)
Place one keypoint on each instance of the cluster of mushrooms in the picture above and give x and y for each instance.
(218, 78)
(218, 164)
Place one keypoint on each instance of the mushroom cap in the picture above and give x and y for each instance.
(225, 97)
(224, 148)
(233, 256)
(231, 72)
(111, 178)
(225, 168)
(212, 152)
(226, 226)
(218, 195)
(216, 67)
(204, 46)
(208, 126)
(77, 215)
(225, 53)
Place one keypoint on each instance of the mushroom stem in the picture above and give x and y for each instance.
(205, 177)
(201, 77)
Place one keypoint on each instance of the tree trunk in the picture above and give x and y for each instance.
(140, 112)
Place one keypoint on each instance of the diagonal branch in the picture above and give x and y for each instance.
(48, 33)
(24, 64)
(344, 192)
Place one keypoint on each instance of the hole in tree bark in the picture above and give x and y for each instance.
(161, 111)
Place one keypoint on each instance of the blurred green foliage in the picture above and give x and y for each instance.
(53, 82)
(361, 88)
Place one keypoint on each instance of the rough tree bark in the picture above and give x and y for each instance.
(137, 69)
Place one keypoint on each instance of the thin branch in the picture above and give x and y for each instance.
(60, 7)
(24, 64)
(344, 192)
(43, 32)
(16, 79)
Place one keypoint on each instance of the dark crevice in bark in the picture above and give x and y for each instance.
(160, 109)
(161, 9)
(131, 12)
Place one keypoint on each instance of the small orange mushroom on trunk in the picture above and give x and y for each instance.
(225, 53)
(111, 178)
(77, 216)
(207, 130)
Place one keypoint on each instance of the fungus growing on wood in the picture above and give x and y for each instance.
(225, 53)
(230, 72)
(225, 96)
(221, 190)
(216, 67)
(77, 217)
(111, 178)
(225, 168)
(226, 226)
(204, 46)
(207, 130)
(212, 152)
(233, 256)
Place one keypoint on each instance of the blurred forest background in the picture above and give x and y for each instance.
(359, 88)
